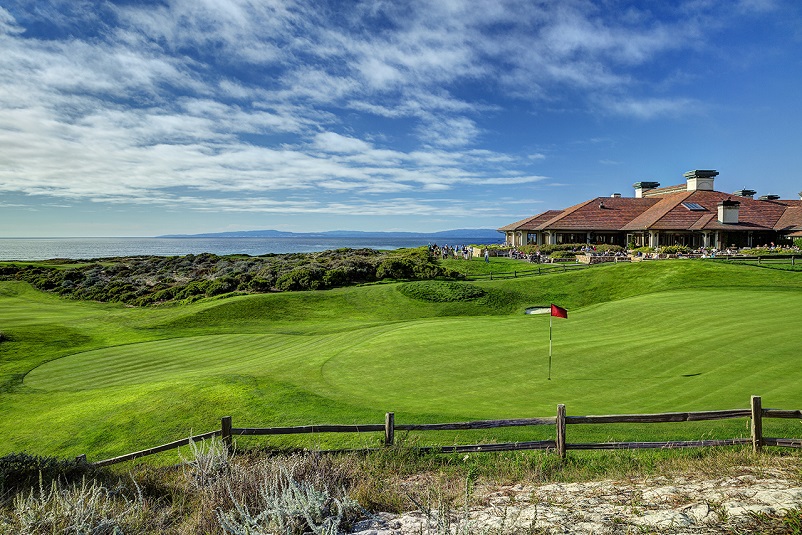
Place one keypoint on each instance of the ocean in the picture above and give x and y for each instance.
(89, 248)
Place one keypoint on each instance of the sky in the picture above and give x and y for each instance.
(141, 118)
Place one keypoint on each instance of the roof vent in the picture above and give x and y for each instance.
(641, 187)
(701, 179)
(748, 193)
(616, 195)
(768, 197)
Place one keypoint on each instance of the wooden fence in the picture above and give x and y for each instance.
(542, 269)
(774, 259)
(560, 445)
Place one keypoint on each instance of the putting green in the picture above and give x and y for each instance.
(685, 350)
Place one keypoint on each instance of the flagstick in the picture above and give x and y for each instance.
(550, 319)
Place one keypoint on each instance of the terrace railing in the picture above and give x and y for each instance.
(559, 444)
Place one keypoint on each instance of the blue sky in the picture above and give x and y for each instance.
(139, 118)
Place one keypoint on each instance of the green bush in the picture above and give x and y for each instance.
(605, 248)
(675, 249)
(396, 268)
(798, 242)
(764, 251)
(643, 250)
(562, 254)
(301, 278)
(20, 471)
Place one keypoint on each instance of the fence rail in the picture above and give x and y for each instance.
(542, 269)
(560, 445)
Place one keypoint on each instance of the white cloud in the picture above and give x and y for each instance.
(332, 142)
(650, 108)
(262, 99)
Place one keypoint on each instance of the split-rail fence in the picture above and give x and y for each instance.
(560, 445)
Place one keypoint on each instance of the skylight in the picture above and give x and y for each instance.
(694, 207)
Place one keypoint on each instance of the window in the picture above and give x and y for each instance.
(694, 207)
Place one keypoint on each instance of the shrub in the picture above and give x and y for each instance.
(548, 248)
(287, 506)
(336, 277)
(301, 278)
(675, 249)
(606, 248)
(396, 268)
(19, 471)
(86, 508)
(763, 251)
(643, 250)
(562, 254)
(209, 462)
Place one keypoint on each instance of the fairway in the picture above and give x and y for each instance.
(122, 379)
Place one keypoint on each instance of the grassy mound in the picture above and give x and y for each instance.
(441, 291)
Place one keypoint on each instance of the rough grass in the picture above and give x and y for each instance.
(251, 490)
(681, 335)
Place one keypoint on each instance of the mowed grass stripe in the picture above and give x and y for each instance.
(160, 360)
(181, 358)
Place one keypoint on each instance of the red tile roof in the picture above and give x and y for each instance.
(791, 219)
(532, 223)
(601, 213)
(666, 212)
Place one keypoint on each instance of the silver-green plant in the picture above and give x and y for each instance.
(209, 460)
(286, 506)
(88, 508)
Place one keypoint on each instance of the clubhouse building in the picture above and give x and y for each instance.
(692, 214)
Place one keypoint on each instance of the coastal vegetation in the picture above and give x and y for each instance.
(147, 280)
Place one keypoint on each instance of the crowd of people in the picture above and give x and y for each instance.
(455, 251)
(466, 252)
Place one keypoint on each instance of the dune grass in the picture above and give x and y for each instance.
(101, 379)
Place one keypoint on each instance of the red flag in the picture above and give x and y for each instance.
(559, 312)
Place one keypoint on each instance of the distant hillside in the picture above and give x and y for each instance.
(456, 234)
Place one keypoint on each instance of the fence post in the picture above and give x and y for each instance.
(491, 275)
(389, 428)
(225, 433)
(757, 424)
(561, 431)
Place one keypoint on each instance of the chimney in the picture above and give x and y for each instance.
(747, 193)
(728, 211)
(701, 179)
(641, 187)
(768, 197)
(616, 195)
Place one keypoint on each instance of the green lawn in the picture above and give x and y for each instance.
(78, 377)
